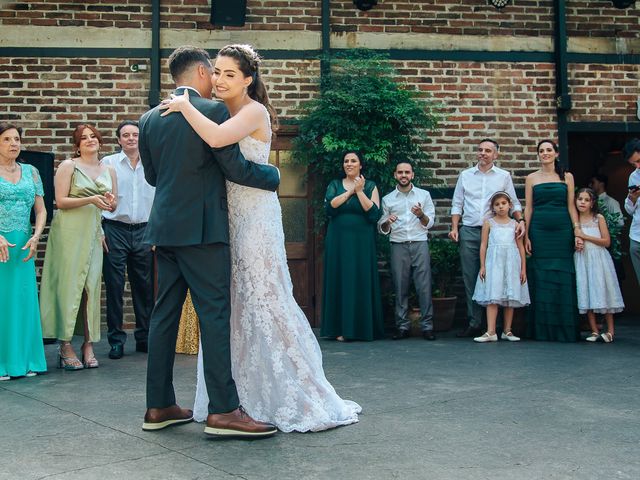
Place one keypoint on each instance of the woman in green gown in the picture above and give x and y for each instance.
(71, 276)
(351, 302)
(550, 216)
(21, 349)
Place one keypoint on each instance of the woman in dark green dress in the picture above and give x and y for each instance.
(351, 303)
(550, 215)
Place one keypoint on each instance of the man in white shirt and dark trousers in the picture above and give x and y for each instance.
(631, 153)
(407, 215)
(470, 204)
(123, 243)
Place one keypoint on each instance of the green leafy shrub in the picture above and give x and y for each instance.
(445, 266)
(612, 219)
(363, 106)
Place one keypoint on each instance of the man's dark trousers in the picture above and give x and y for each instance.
(127, 250)
(205, 270)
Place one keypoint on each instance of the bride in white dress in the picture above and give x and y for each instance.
(275, 357)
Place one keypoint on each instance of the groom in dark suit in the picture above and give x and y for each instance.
(189, 227)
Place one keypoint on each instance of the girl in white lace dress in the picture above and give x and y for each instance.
(596, 280)
(502, 280)
(275, 357)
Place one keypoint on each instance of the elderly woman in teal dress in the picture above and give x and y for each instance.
(71, 276)
(21, 349)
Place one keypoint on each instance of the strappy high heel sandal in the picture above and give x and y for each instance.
(70, 363)
(89, 361)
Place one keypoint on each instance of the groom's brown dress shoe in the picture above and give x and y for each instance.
(237, 424)
(159, 418)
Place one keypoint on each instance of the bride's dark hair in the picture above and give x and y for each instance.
(249, 64)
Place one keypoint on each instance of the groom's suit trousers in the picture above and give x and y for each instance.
(205, 270)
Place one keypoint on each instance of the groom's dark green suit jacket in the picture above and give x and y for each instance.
(190, 205)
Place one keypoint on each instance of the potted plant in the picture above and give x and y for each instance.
(445, 268)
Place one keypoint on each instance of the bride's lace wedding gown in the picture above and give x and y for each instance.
(275, 357)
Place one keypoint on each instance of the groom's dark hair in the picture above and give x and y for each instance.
(183, 58)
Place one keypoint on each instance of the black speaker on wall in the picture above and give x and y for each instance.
(230, 13)
(43, 161)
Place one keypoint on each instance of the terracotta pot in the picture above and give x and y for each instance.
(414, 316)
(444, 313)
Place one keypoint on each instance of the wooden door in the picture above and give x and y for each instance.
(298, 223)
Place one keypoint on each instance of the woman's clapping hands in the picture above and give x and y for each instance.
(358, 184)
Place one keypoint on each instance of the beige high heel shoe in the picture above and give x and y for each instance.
(69, 363)
(89, 361)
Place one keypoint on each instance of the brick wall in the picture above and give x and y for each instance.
(595, 18)
(511, 102)
(50, 96)
(76, 13)
(604, 93)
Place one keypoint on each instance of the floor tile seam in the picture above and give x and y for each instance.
(217, 469)
(143, 457)
(520, 386)
(95, 422)
(145, 440)
(474, 394)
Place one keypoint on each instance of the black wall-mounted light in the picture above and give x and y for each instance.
(365, 5)
(623, 3)
(499, 3)
(228, 13)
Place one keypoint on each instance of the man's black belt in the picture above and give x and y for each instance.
(128, 226)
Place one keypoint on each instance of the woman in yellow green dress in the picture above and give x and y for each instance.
(71, 276)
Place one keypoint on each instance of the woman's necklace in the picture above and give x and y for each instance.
(10, 169)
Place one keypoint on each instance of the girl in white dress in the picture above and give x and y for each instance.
(275, 358)
(596, 280)
(502, 280)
